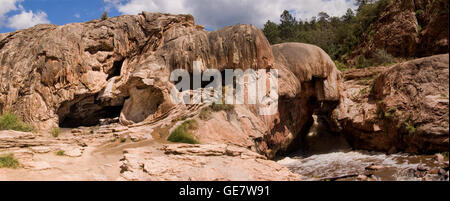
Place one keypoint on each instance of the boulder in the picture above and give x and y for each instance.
(409, 28)
(404, 109)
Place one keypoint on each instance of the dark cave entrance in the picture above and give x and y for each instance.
(116, 69)
(87, 111)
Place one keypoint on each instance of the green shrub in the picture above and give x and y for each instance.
(105, 16)
(382, 57)
(55, 131)
(123, 140)
(411, 129)
(390, 113)
(340, 66)
(8, 161)
(445, 154)
(362, 62)
(363, 92)
(419, 12)
(222, 107)
(10, 121)
(60, 153)
(181, 133)
(379, 57)
(205, 113)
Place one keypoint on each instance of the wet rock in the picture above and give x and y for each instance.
(443, 172)
(374, 167)
(439, 158)
(422, 168)
(420, 174)
(362, 178)
(434, 171)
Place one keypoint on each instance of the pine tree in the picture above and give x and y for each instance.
(105, 16)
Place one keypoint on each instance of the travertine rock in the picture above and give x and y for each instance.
(309, 83)
(188, 163)
(76, 74)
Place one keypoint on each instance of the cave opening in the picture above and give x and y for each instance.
(87, 111)
(116, 69)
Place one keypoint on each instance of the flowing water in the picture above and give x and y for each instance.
(327, 156)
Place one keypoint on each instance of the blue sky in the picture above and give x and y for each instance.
(18, 14)
(60, 12)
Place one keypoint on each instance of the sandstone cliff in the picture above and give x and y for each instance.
(409, 28)
(77, 74)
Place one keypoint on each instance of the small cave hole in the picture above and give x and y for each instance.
(86, 111)
(116, 69)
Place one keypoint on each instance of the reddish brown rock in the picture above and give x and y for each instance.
(405, 109)
(408, 28)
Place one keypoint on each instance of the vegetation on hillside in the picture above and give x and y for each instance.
(182, 133)
(10, 121)
(55, 131)
(105, 16)
(338, 36)
(8, 161)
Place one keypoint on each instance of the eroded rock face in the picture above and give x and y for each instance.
(76, 74)
(405, 108)
(188, 163)
(408, 28)
(309, 83)
(85, 73)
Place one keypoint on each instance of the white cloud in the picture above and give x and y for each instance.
(6, 7)
(219, 13)
(27, 19)
(22, 20)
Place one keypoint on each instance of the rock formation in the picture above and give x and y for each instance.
(404, 108)
(408, 28)
(217, 162)
(309, 83)
(77, 74)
